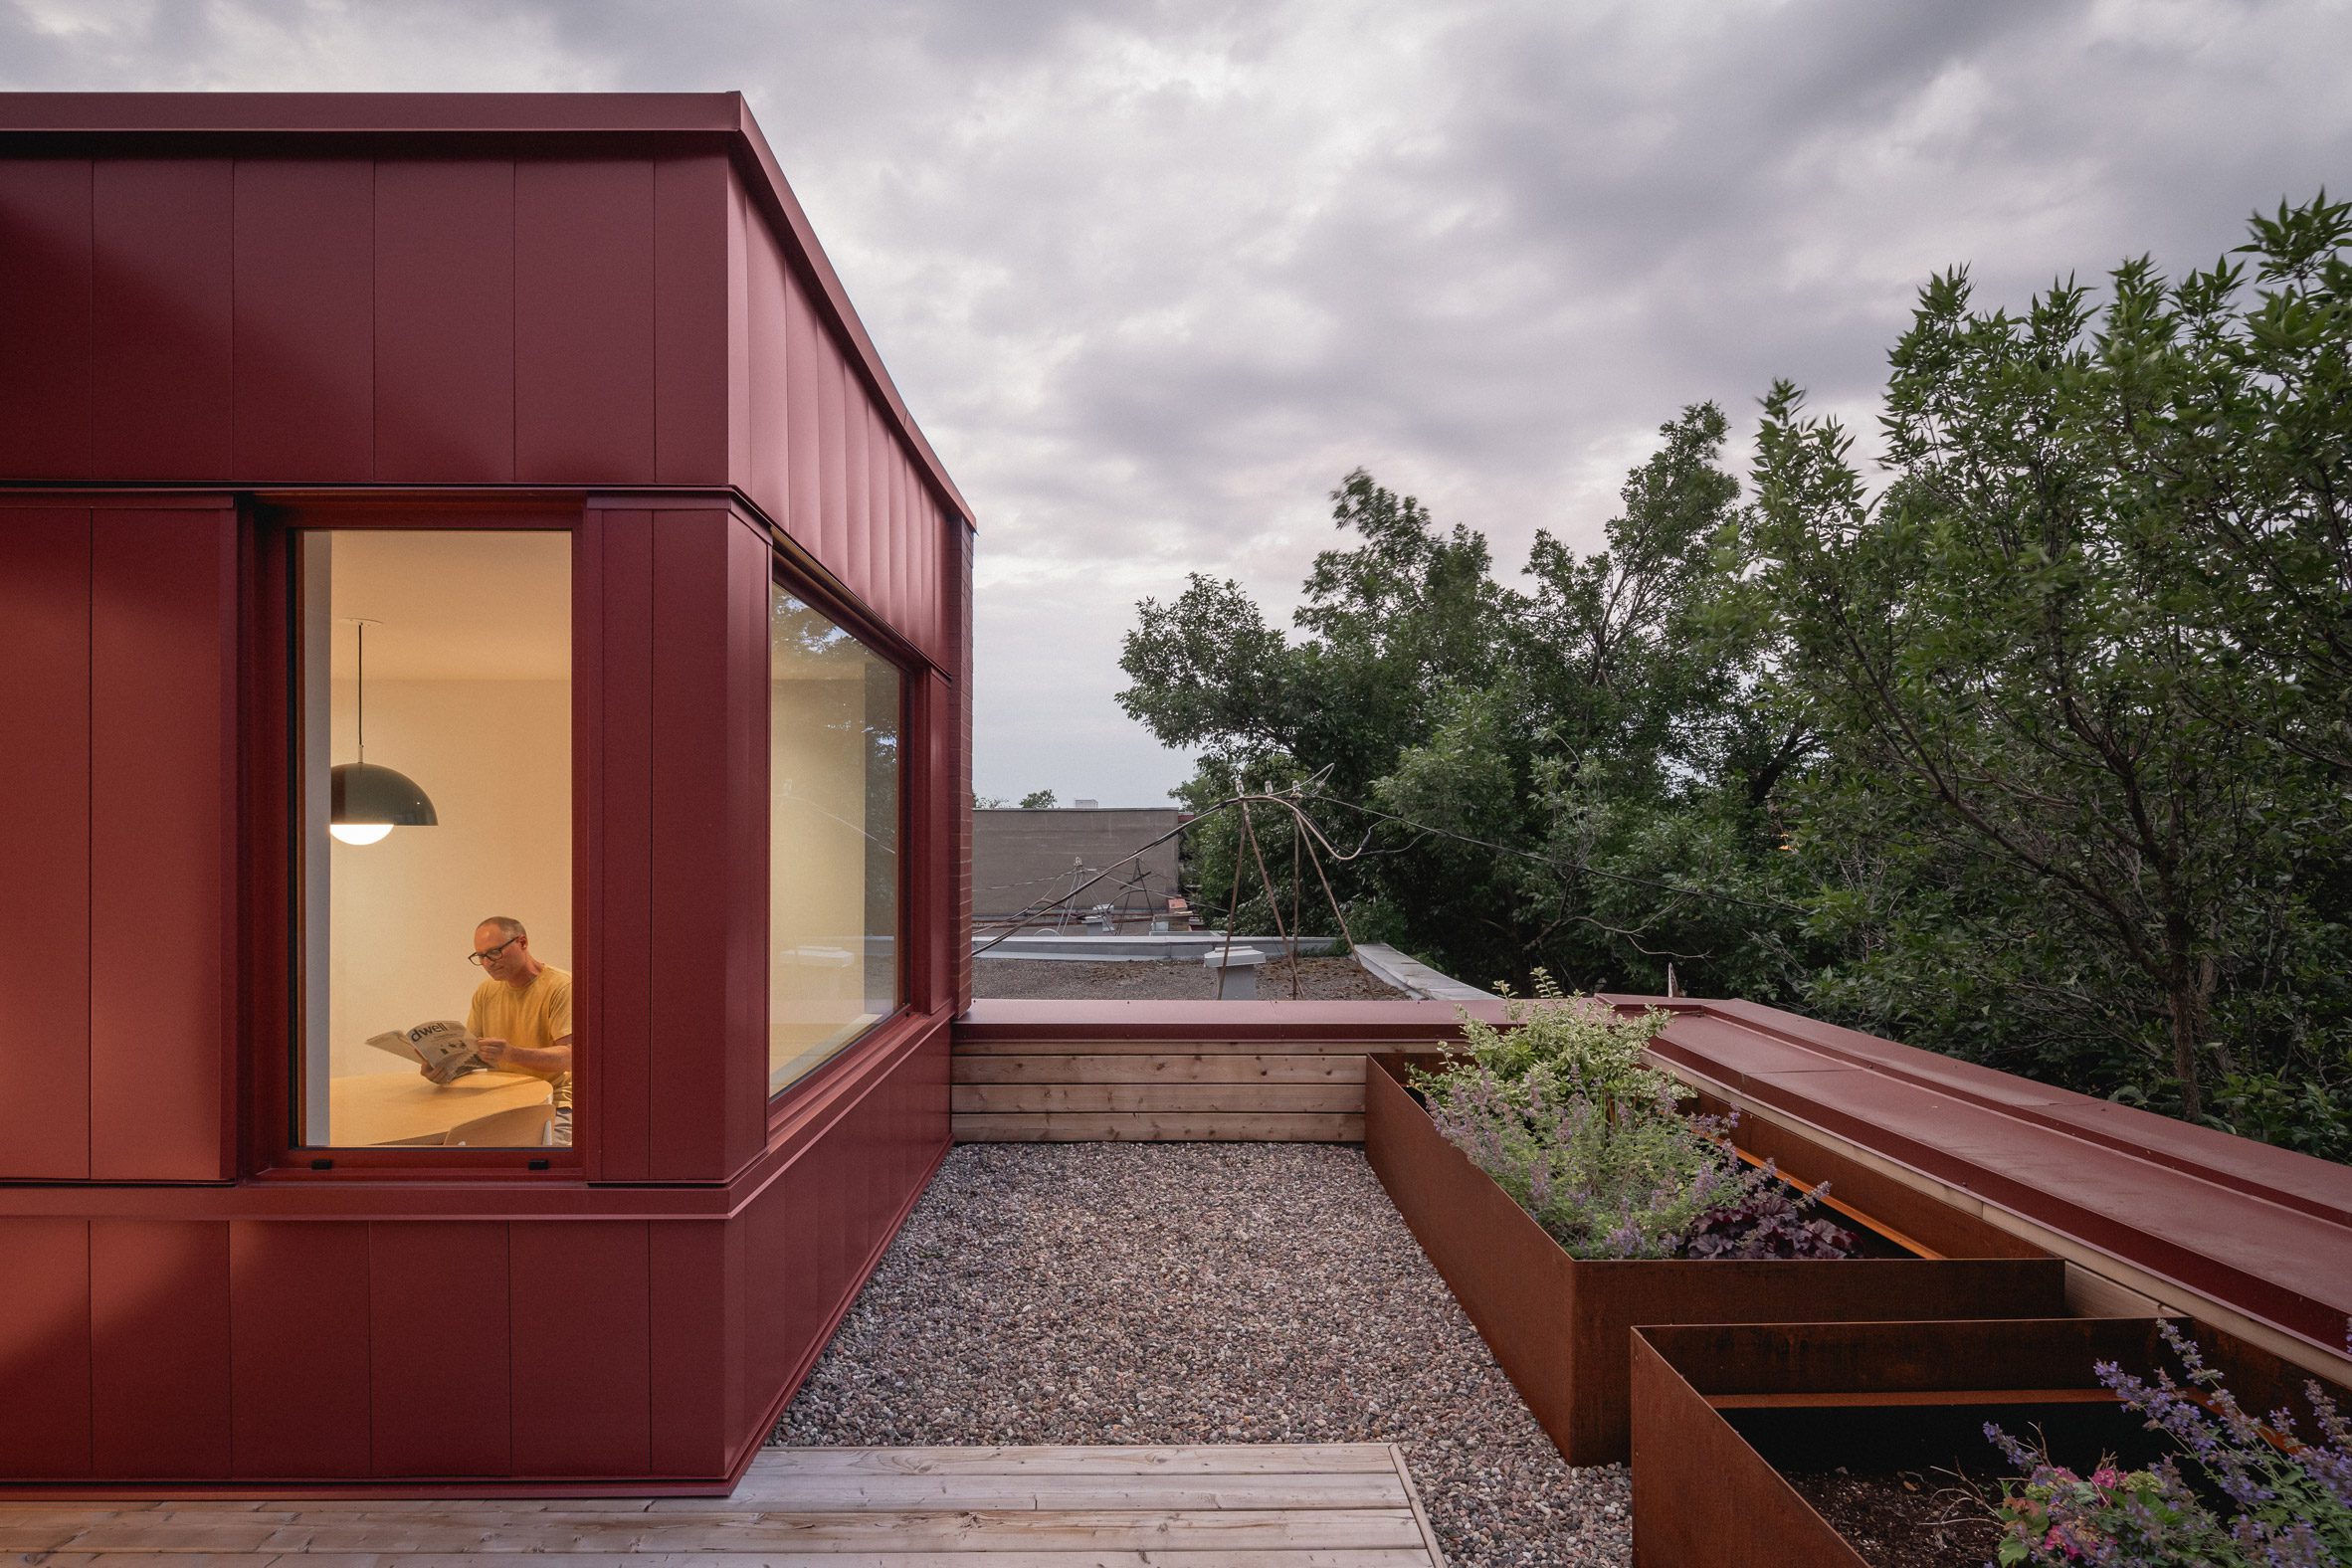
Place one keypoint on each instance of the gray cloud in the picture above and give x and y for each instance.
(1154, 275)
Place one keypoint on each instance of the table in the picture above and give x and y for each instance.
(402, 1106)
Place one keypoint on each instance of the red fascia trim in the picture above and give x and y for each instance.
(361, 113)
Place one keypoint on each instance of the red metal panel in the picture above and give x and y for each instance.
(858, 553)
(698, 1356)
(159, 1348)
(740, 223)
(584, 320)
(621, 994)
(45, 844)
(750, 572)
(710, 888)
(582, 1318)
(305, 331)
(765, 311)
(439, 1406)
(890, 531)
(834, 412)
(445, 321)
(162, 822)
(45, 279)
(690, 913)
(298, 1348)
(803, 510)
(782, 1309)
(692, 200)
(689, 320)
(45, 1348)
(161, 381)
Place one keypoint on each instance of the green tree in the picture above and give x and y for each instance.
(1037, 800)
(2031, 680)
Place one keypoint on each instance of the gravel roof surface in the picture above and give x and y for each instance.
(1198, 1293)
(1319, 979)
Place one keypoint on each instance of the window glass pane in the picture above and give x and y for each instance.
(833, 837)
(437, 800)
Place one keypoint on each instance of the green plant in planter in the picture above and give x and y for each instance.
(1564, 1111)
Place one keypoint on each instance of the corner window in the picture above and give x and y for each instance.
(434, 724)
(833, 837)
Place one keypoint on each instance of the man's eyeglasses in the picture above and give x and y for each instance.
(489, 953)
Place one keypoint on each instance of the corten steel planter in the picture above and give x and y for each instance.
(1721, 1411)
(1559, 1325)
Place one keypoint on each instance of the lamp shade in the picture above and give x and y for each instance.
(363, 794)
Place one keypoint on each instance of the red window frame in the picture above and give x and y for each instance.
(806, 585)
(271, 893)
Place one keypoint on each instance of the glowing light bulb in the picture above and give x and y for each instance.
(360, 832)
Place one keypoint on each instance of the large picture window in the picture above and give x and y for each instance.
(833, 837)
(433, 717)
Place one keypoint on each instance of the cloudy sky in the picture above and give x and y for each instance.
(1153, 277)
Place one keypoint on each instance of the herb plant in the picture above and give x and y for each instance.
(1564, 1111)
(2262, 1497)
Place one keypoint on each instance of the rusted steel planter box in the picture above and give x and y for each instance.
(1559, 1327)
(1720, 1411)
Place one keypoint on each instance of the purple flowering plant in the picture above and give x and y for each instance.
(1565, 1113)
(2263, 1497)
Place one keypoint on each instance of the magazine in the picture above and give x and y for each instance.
(444, 1048)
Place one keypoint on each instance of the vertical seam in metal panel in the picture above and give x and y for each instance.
(376, 328)
(506, 1235)
(514, 439)
(367, 1334)
(90, 342)
(90, 850)
(235, 165)
(229, 1318)
(90, 1332)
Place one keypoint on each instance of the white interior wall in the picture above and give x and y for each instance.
(496, 758)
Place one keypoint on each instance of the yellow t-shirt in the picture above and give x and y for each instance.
(539, 1015)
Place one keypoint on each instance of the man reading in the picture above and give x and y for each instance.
(522, 1013)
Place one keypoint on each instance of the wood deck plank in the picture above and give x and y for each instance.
(1325, 1505)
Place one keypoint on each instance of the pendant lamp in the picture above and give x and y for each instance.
(366, 802)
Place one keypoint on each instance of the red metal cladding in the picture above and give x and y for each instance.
(445, 321)
(162, 843)
(298, 1304)
(159, 1348)
(45, 1349)
(286, 321)
(440, 1398)
(161, 386)
(801, 509)
(305, 329)
(584, 366)
(45, 615)
(582, 1334)
(692, 306)
(768, 465)
(45, 305)
(860, 545)
(621, 995)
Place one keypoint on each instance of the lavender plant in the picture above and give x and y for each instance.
(1564, 1111)
(2269, 1498)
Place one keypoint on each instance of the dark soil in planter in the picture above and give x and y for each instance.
(1904, 1518)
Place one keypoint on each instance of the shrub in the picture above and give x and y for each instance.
(1566, 1114)
(2267, 1499)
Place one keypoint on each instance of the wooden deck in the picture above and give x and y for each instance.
(1333, 1505)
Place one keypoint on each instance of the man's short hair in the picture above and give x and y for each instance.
(505, 924)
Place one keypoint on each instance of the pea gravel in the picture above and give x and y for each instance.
(1198, 1293)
